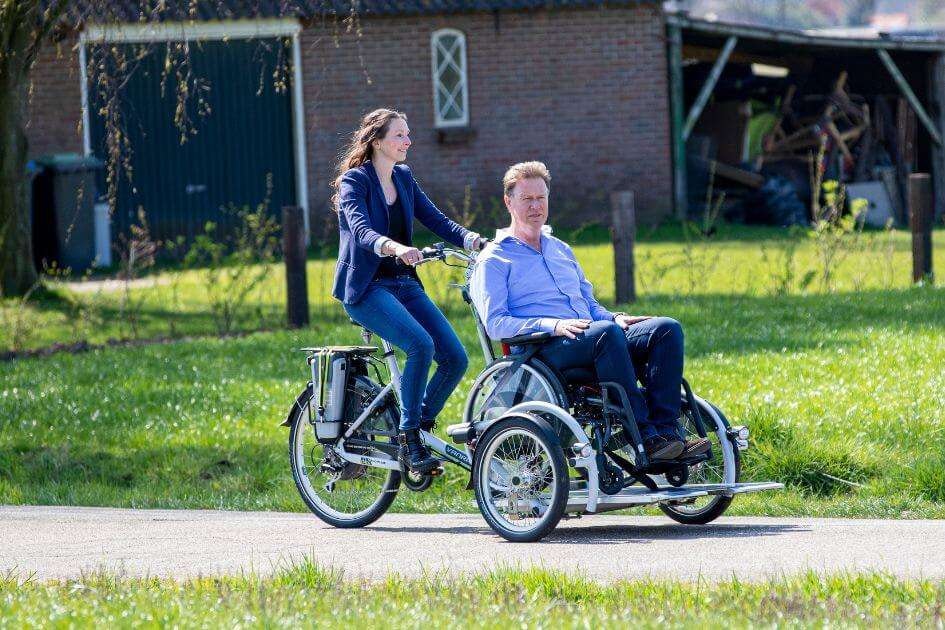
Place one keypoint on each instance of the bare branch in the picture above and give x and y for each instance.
(44, 25)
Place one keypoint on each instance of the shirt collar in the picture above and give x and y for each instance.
(502, 234)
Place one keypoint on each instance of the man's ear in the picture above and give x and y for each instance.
(508, 202)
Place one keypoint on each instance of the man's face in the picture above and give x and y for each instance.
(528, 202)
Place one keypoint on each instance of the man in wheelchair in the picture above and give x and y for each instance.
(527, 281)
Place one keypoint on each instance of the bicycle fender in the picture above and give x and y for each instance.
(296, 406)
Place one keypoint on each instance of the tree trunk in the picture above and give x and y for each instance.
(17, 273)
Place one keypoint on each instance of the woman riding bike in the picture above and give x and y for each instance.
(377, 199)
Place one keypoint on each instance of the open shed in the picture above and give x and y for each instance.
(750, 103)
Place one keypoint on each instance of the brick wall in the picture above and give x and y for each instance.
(585, 91)
(55, 107)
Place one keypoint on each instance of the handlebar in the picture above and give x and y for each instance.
(439, 251)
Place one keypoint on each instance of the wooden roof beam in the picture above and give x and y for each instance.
(708, 86)
(909, 94)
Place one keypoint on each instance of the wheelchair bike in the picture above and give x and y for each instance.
(539, 445)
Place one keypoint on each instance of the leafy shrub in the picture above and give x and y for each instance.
(233, 268)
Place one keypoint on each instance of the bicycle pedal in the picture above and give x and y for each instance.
(436, 472)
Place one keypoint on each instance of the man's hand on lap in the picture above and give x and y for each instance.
(626, 321)
(570, 328)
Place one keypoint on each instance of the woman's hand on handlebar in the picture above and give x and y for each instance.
(407, 254)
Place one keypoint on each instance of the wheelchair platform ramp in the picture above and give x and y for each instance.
(635, 496)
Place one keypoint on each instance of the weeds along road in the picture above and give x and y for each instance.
(62, 542)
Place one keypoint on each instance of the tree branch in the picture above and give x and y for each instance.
(45, 25)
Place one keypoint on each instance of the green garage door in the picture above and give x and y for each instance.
(241, 154)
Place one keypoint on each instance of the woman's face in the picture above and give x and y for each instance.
(395, 144)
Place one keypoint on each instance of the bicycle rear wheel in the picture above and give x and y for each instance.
(342, 493)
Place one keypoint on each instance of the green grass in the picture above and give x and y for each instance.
(306, 596)
(738, 260)
(834, 385)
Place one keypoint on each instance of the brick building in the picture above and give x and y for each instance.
(581, 85)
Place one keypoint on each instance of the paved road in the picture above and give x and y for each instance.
(53, 542)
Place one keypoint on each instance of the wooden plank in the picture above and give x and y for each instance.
(708, 86)
(740, 175)
(910, 95)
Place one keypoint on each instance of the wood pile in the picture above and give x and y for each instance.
(849, 137)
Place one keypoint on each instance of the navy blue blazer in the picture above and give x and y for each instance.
(363, 219)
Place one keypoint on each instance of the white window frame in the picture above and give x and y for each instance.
(463, 85)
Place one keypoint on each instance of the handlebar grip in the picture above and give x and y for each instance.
(434, 251)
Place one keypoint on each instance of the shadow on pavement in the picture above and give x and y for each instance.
(611, 534)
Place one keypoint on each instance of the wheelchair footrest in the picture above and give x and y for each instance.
(638, 495)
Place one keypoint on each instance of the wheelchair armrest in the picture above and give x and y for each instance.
(529, 338)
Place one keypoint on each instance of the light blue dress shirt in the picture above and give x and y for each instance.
(517, 289)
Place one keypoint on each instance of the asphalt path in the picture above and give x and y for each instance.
(67, 542)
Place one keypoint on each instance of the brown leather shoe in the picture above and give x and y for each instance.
(694, 448)
(659, 447)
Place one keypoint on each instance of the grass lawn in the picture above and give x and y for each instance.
(305, 596)
(843, 390)
(738, 260)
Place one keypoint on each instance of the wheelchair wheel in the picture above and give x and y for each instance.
(723, 467)
(521, 478)
(339, 492)
(533, 382)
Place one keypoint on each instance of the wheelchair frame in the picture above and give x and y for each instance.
(591, 500)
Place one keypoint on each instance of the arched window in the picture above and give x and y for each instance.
(450, 93)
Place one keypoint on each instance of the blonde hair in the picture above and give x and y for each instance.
(373, 127)
(524, 170)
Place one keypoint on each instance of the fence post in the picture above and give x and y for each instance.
(623, 233)
(920, 221)
(293, 249)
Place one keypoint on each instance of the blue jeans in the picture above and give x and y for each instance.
(398, 310)
(651, 351)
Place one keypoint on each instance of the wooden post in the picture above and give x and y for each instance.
(680, 190)
(624, 233)
(920, 220)
(937, 92)
(293, 249)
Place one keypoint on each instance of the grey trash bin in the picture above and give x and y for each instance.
(64, 195)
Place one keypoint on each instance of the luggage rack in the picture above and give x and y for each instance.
(636, 496)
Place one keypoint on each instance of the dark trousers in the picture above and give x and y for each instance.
(398, 310)
(650, 351)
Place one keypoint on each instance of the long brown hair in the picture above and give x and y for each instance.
(373, 127)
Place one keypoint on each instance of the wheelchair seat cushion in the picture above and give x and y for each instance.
(579, 376)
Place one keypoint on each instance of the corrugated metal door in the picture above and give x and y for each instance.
(241, 153)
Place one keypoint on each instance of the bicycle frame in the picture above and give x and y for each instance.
(462, 458)
(448, 452)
